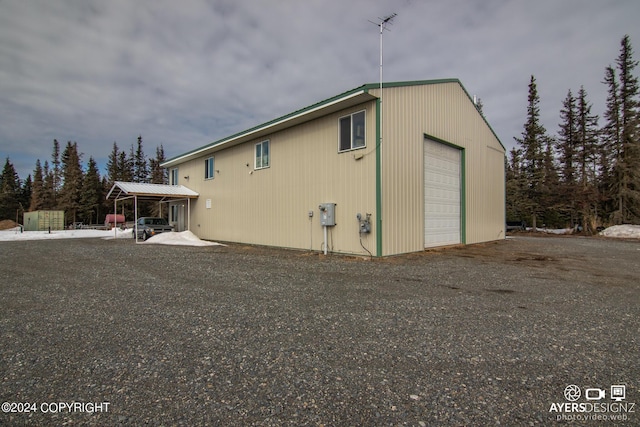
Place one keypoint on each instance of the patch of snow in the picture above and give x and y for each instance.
(626, 231)
(552, 230)
(14, 234)
(182, 238)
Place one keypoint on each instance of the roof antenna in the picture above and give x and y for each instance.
(382, 24)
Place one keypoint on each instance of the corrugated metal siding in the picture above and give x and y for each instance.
(443, 111)
(43, 220)
(270, 206)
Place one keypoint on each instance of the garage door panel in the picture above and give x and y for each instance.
(442, 194)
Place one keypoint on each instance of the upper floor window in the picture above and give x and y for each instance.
(173, 177)
(352, 131)
(262, 155)
(208, 168)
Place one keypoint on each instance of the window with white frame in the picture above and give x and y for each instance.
(173, 177)
(208, 168)
(352, 131)
(262, 155)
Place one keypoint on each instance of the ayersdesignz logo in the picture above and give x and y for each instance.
(593, 403)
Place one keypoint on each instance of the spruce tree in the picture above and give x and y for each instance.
(158, 173)
(586, 150)
(113, 165)
(629, 197)
(48, 198)
(125, 166)
(56, 174)
(9, 191)
(140, 166)
(36, 202)
(25, 193)
(92, 194)
(514, 187)
(566, 147)
(534, 139)
(620, 134)
(550, 198)
(69, 199)
(566, 141)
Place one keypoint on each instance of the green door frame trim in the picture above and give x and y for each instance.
(378, 183)
(463, 184)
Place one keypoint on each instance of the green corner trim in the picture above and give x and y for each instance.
(378, 183)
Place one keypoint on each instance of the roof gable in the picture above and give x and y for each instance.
(338, 102)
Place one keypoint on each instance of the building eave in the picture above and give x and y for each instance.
(340, 102)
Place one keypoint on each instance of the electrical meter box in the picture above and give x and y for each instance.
(327, 214)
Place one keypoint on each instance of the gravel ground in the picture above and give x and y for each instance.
(482, 335)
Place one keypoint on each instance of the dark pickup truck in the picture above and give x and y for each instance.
(516, 226)
(150, 226)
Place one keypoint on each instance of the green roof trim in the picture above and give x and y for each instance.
(364, 89)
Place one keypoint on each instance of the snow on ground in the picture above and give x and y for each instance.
(553, 230)
(626, 231)
(182, 238)
(14, 234)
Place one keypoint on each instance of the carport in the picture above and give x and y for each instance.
(159, 192)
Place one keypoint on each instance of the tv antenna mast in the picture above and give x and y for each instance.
(382, 24)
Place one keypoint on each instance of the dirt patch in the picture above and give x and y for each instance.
(7, 224)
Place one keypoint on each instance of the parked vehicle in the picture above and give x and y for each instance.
(150, 226)
(516, 226)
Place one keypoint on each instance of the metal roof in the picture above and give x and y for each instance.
(140, 189)
(344, 100)
(328, 106)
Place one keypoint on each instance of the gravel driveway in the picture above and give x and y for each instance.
(162, 335)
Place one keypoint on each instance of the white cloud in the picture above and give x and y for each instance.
(183, 74)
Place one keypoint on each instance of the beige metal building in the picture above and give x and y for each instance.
(417, 160)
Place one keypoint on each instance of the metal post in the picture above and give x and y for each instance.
(115, 213)
(325, 240)
(135, 215)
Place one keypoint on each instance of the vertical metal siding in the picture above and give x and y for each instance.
(443, 111)
(270, 206)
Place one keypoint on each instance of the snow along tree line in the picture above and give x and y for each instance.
(64, 184)
(589, 175)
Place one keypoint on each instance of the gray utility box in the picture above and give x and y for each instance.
(327, 214)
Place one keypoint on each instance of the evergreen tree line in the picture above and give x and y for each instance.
(66, 184)
(589, 174)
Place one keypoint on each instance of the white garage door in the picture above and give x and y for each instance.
(441, 194)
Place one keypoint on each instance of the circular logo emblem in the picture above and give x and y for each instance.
(572, 393)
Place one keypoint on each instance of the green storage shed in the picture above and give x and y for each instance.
(43, 220)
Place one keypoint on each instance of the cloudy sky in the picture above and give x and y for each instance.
(186, 73)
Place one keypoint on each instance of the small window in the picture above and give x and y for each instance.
(352, 135)
(173, 179)
(262, 155)
(208, 168)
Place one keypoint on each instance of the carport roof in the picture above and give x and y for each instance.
(140, 189)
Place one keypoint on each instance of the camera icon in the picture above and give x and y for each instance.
(594, 394)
